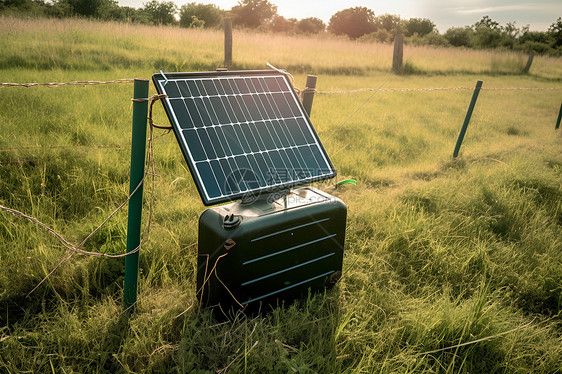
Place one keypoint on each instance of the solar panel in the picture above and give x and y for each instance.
(242, 132)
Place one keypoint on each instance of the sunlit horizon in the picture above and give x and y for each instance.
(538, 15)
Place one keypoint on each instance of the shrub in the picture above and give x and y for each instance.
(160, 12)
(389, 22)
(210, 14)
(353, 22)
(459, 36)
(418, 26)
(281, 24)
(253, 13)
(311, 25)
(555, 31)
(538, 47)
(490, 38)
(433, 38)
(380, 36)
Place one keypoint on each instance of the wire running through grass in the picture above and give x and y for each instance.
(78, 249)
(477, 340)
(229, 243)
(75, 249)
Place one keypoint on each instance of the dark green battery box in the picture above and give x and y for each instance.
(253, 255)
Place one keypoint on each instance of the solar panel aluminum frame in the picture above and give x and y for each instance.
(161, 79)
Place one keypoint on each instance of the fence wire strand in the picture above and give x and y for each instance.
(150, 152)
(59, 84)
(435, 89)
(77, 249)
(299, 91)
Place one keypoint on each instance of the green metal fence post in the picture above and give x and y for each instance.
(467, 118)
(138, 151)
(559, 118)
(308, 95)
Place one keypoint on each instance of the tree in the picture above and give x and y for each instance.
(103, 9)
(353, 22)
(434, 38)
(281, 24)
(131, 14)
(196, 23)
(160, 13)
(511, 30)
(489, 34)
(59, 9)
(380, 36)
(459, 36)
(534, 36)
(488, 23)
(253, 13)
(389, 22)
(311, 25)
(537, 41)
(110, 10)
(86, 8)
(210, 14)
(420, 26)
(555, 31)
(18, 4)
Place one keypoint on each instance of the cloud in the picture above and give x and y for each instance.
(502, 8)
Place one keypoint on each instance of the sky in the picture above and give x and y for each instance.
(539, 14)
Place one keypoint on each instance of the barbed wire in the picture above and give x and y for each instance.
(31, 161)
(98, 146)
(431, 89)
(75, 83)
(299, 91)
(77, 249)
(109, 146)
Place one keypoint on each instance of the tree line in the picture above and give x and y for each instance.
(358, 23)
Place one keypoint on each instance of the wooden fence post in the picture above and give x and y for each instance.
(227, 42)
(529, 62)
(398, 53)
(559, 118)
(308, 94)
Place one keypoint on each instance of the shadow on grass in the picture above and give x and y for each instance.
(298, 336)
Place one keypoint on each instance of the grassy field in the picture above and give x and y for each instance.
(439, 253)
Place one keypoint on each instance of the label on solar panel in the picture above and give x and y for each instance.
(242, 133)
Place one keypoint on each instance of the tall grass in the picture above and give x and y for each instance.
(89, 45)
(450, 265)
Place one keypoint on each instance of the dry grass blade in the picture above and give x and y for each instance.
(478, 340)
(225, 369)
(423, 233)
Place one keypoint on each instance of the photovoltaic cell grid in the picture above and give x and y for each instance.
(242, 134)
